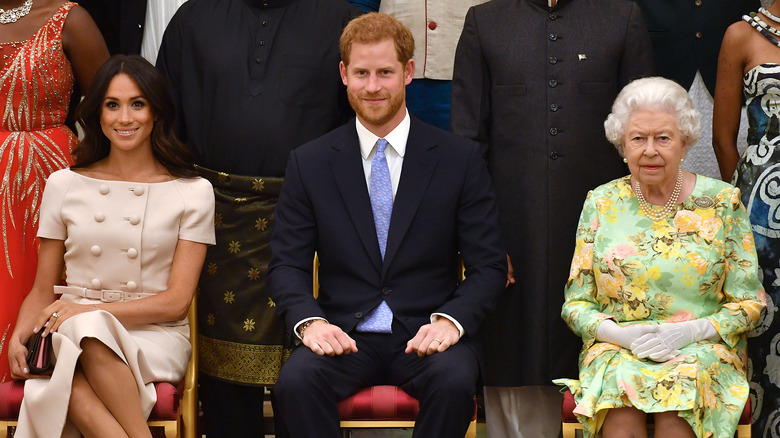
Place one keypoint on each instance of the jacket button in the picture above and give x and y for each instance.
(697, 2)
(138, 190)
(553, 15)
(359, 315)
(553, 107)
(96, 250)
(386, 291)
(553, 60)
(432, 25)
(103, 189)
(554, 155)
(552, 83)
(553, 37)
(553, 131)
(699, 35)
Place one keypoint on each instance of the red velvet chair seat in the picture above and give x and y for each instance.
(379, 403)
(166, 408)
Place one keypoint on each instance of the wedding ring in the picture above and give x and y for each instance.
(437, 341)
(54, 315)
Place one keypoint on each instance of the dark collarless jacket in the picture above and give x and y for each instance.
(120, 21)
(534, 85)
(445, 204)
(687, 34)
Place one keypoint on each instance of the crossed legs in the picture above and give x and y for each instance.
(104, 400)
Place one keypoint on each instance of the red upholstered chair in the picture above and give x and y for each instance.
(570, 423)
(176, 410)
(382, 406)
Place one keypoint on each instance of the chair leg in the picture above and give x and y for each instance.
(472, 430)
(171, 431)
(570, 429)
(743, 431)
(4, 429)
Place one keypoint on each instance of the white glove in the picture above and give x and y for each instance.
(609, 331)
(671, 337)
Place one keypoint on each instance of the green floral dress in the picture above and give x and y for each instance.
(699, 264)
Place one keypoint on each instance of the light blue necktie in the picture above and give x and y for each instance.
(381, 191)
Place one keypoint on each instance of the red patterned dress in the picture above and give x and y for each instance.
(36, 81)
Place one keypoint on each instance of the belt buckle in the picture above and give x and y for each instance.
(110, 296)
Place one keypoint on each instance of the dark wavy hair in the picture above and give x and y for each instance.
(166, 148)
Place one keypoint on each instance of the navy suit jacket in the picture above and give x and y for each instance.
(445, 204)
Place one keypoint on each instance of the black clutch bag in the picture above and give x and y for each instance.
(39, 353)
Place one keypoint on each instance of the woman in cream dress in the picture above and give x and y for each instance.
(131, 223)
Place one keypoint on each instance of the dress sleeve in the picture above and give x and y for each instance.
(742, 295)
(51, 224)
(581, 310)
(197, 222)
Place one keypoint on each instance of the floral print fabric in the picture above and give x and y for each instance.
(700, 263)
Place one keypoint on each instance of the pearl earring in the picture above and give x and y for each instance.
(682, 160)
(625, 160)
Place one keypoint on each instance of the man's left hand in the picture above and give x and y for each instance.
(434, 338)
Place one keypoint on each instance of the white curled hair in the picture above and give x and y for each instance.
(654, 94)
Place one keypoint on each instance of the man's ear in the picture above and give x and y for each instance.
(408, 72)
(343, 71)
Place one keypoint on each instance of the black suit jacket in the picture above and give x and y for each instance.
(445, 204)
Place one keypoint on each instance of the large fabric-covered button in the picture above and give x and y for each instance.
(95, 283)
(100, 216)
(131, 285)
(138, 190)
(96, 250)
(103, 189)
(132, 253)
(135, 220)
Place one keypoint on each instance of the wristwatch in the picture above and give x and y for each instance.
(305, 325)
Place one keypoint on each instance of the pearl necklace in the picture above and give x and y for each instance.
(671, 204)
(13, 15)
(769, 15)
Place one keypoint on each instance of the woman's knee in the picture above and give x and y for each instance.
(625, 422)
(670, 424)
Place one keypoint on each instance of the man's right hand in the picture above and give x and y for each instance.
(325, 338)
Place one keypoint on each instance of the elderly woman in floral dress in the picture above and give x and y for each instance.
(664, 283)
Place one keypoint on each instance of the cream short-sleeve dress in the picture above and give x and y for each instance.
(119, 236)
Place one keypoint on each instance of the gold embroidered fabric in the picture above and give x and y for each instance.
(36, 81)
(242, 337)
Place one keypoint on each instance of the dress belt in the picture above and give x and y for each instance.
(105, 295)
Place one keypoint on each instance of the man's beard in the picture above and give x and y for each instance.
(380, 114)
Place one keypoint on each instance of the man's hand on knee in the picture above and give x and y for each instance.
(434, 338)
(324, 338)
